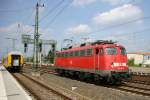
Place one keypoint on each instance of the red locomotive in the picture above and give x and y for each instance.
(100, 60)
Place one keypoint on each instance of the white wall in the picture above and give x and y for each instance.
(138, 58)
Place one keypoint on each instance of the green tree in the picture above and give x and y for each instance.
(131, 62)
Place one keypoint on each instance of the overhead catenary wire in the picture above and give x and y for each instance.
(52, 10)
(57, 14)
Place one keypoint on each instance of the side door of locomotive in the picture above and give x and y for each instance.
(98, 58)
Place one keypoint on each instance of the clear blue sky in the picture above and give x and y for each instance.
(125, 21)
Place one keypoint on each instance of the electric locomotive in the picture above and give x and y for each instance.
(101, 60)
(13, 61)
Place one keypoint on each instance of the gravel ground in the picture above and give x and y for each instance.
(89, 90)
(138, 85)
(44, 94)
(140, 69)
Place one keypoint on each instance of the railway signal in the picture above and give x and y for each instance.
(25, 47)
(40, 47)
(26, 39)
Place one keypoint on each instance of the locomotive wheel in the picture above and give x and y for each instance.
(81, 76)
(60, 72)
(96, 78)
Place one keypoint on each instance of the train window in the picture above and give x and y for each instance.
(122, 51)
(65, 54)
(71, 54)
(111, 51)
(89, 52)
(101, 51)
(82, 53)
(76, 53)
(68, 54)
(62, 54)
(57, 54)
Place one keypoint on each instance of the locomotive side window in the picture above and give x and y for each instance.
(71, 54)
(76, 53)
(101, 51)
(122, 51)
(89, 52)
(82, 53)
(111, 51)
(58, 54)
(68, 54)
(65, 54)
(62, 54)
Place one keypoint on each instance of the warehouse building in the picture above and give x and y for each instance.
(140, 58)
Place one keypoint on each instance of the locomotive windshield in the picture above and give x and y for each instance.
(122, 51)
(111, 51)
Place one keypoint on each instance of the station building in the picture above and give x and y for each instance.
(140, 58)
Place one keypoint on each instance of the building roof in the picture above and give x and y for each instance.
(140, 53)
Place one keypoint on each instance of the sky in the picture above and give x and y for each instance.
(124, 21)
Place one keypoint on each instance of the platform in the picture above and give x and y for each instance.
(10, 89)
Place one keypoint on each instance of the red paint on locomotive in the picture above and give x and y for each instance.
(103, 59)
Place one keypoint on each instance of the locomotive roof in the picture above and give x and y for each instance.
(15, 53)
(90, 46)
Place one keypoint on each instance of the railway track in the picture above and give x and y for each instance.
(126, 86)
(39, 90)
(137, 82)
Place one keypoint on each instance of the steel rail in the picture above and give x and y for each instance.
(42, 85)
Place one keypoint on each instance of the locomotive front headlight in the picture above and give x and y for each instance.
(124, 64)
(116, 64)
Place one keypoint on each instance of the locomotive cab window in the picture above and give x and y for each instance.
(111, 51)
(122, 51)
